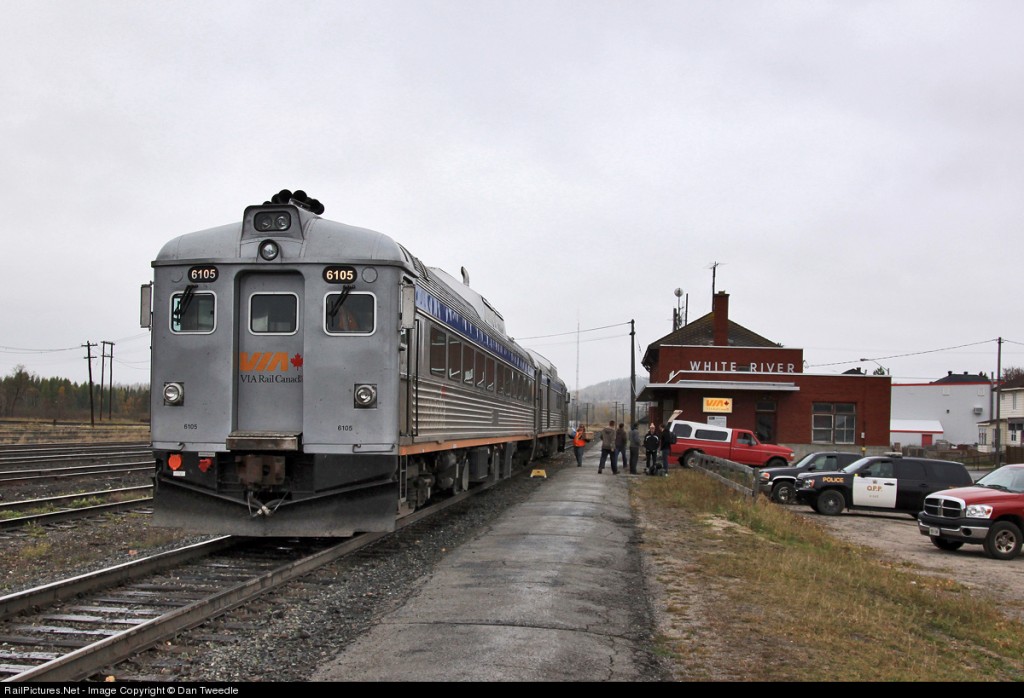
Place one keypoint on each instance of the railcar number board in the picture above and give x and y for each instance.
(339, 275)
(206, 272)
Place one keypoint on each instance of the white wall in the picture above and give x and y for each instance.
(952, 405)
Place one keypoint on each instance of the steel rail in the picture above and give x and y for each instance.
(82, 663)
(73, 513)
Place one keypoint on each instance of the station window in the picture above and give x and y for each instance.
(438, 353)
(273, 313)
(834, 423)
(349, 313)
(193, 312)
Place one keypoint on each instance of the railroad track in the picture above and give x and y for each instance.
(41, 455)
(73, 629)
(28, 476)
(66, 507)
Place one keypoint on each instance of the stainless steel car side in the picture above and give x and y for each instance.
(312, 378)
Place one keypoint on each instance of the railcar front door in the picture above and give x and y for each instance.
(270, 356)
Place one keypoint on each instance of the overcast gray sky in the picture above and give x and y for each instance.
(855, 168)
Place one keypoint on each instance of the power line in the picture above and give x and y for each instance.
(899, 356)
(562, 334)
(17, 350)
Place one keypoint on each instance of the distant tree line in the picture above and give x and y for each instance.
(26, 395)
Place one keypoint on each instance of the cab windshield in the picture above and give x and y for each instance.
(1006, 478)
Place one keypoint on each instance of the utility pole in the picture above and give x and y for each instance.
(577, 369)
(632, 372)
(110, 379)
(999, 402)
(103, 374)
(88, 355)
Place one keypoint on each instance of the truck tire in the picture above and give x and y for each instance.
(783, 492)
(1003, 541)
(775, 463)
(830, 503)
(689, 459)
(944, 544)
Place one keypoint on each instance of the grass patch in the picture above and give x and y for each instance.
(838, 612)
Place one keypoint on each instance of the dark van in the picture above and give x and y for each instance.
(880, 483)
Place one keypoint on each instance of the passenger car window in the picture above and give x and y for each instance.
(193, 312)
(438, 352)
(349, 313)
(273, 313)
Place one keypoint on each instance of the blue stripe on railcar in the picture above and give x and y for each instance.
(438, 310)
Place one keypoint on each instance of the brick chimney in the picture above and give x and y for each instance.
(720, 319)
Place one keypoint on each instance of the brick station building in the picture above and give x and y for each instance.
(714, 370)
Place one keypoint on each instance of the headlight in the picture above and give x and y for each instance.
(269, 250)
(978, 511)
(174, 393)
(766, 476)
(365, 395)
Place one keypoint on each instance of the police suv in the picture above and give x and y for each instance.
(880, 483)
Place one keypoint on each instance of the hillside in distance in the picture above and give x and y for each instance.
(608, 400)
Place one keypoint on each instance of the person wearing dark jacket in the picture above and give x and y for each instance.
(620, 446)
(652, 442)
(667, 439)
(634, 448)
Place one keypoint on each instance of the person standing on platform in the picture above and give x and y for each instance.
(667, 439)
(621, 439)
(608, 448)
(634, 448)
(579, 441)
(652, 442)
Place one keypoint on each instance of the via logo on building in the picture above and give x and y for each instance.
(254, 367)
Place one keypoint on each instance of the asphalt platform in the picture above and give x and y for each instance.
(554, 591)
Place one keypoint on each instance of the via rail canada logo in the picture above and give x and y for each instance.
(269, 367)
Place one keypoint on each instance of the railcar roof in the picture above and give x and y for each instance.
(322, 240)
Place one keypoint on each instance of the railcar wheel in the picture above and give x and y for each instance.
(830, 503)
(783, 492)
(944, 544)
(1003, 541)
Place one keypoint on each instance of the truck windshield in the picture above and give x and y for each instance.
(1005, 478)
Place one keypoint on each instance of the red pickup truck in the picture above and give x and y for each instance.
(991, 513)
(737, 445)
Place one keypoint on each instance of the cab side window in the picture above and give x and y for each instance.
(193, 312)
(349, 313)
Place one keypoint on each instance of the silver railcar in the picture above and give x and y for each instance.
(311, 378)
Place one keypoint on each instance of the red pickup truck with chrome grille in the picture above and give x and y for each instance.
(989, 513)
